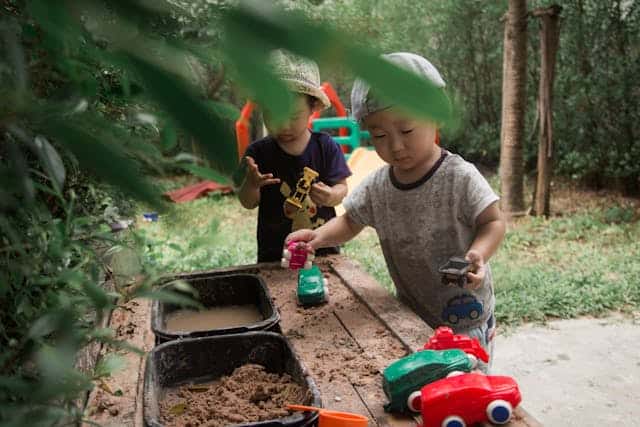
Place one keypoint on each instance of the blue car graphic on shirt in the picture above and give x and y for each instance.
(462, 307)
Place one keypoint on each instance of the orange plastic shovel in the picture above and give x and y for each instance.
(333, 418)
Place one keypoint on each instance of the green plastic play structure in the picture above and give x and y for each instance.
(352, 141)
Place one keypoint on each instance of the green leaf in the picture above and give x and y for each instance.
(108, 364)
(104, 159)
(97, 295)
(124, 345)
(44, 326)
(224, 110)
(248, 52)
(101, 334)
(168, 137)
(205, 173)
(16, 384)
(184, 287)
(190, 113)
(178, 409)
(59, 378)
(175, 247)
(168, 296)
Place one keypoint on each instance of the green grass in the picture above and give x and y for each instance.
(210, 232)
(585, 263)
(567, 267)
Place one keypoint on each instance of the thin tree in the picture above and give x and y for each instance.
(514, 80)
(549, 40)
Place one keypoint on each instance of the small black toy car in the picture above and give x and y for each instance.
(454, 272)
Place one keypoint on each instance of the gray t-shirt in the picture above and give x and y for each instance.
(422, 225)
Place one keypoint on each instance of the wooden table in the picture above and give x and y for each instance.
(345, 344)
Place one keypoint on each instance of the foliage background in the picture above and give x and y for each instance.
(596, 116)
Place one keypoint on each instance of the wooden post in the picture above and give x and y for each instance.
(549, 40)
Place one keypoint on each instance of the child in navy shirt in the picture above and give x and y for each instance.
(276, 163)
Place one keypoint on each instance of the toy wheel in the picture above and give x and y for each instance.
(307, 265)
(452, 319)
(284, 263)
(454, 374)
(474, 314)
(286, 254)
(414, 401)
(473, 359)
(499, 411)
(453, 421)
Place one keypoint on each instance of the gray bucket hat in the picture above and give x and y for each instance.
(363, 102)
(299, 74)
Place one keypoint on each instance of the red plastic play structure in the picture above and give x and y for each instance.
(444, 339)
(337, 105)
(243, 125)
(192, 192)
(466, 399)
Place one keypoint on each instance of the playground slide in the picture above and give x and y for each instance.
(362, 162)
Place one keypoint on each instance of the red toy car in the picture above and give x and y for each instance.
(295, 256)
(466, 399)
(445, 339)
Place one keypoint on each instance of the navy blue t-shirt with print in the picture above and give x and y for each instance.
(324, 156)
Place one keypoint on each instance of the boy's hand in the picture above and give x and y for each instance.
(305, 236)
(476, 273)
(257, 179)
(322, 194)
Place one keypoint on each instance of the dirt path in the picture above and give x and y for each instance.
(581, 372)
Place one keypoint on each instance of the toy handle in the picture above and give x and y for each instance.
(303, 408)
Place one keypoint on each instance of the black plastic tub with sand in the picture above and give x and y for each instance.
(242, 379)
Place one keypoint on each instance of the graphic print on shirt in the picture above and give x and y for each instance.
(462, 307)
(306, 216)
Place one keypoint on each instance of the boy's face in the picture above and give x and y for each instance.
(296, 126)
(406, 144)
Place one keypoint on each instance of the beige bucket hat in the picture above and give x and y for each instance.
(299, 74)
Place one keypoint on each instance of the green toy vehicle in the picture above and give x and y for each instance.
(405, 377)
(312, 286)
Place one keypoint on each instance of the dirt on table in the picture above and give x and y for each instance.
(322, 336)
(249, 394)
(343, 345)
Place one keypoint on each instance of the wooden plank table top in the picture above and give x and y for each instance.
(344, 344)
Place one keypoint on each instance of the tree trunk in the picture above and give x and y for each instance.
(514, 81)
(549, 39)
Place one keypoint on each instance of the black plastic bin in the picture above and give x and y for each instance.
(217, 290)
(199, 360)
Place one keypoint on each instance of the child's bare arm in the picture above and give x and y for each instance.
(491, 229)
(325, 195)
(249, 193)
(335, 232)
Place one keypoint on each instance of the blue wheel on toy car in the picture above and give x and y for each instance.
(499, 411)
(453, 421)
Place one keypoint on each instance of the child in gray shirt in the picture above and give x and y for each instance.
(426, 206)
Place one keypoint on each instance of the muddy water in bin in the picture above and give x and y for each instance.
(213, 318)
